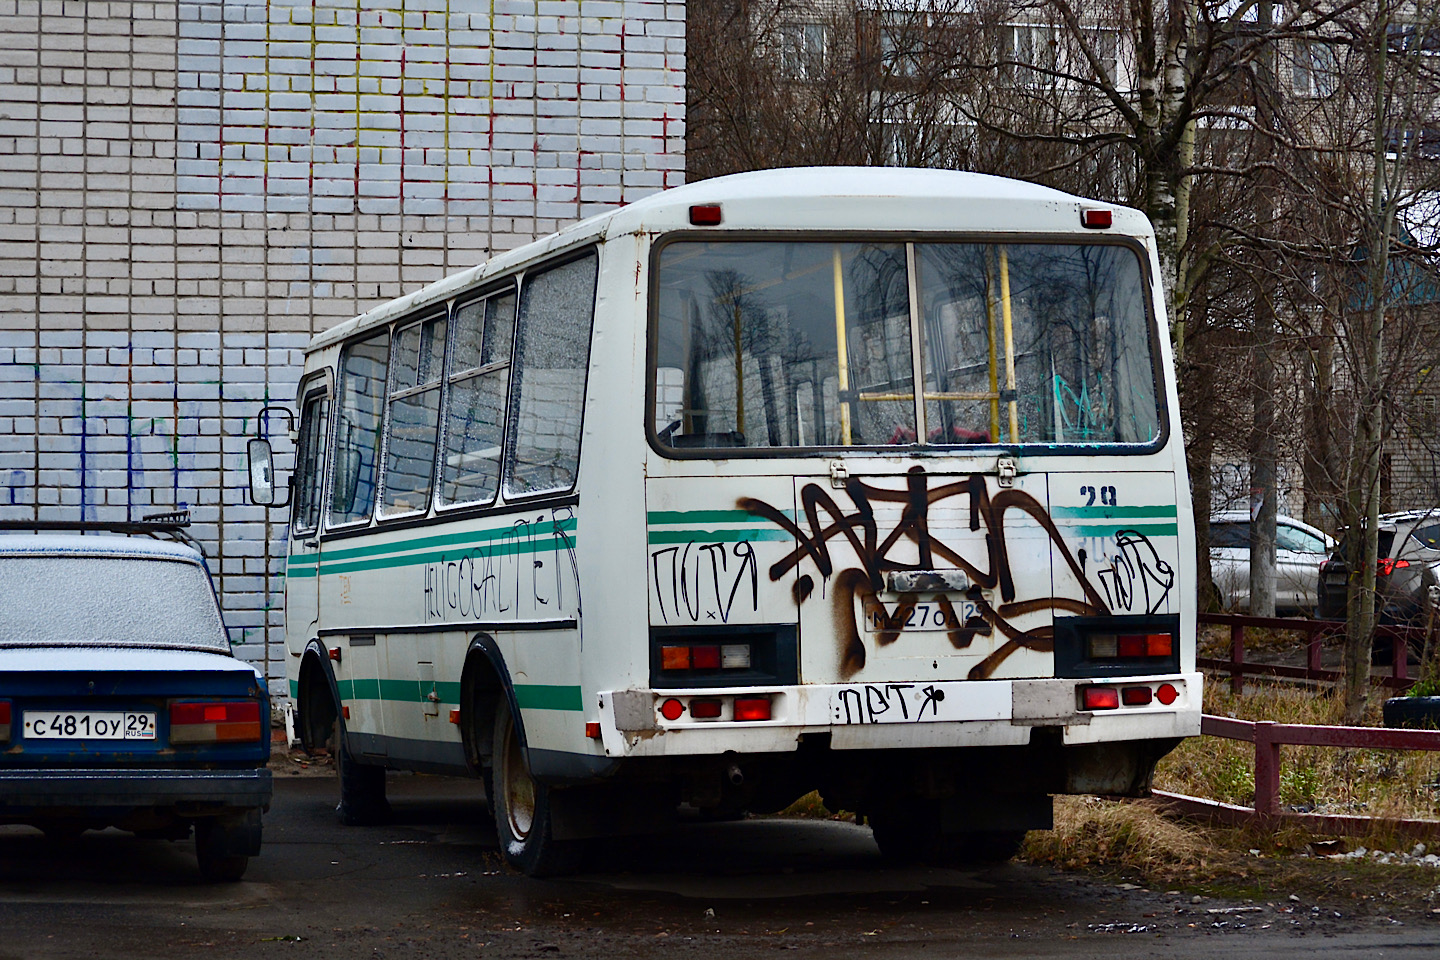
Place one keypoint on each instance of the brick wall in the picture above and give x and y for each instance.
(189, 190)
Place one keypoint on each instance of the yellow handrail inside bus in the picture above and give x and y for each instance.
(1009, 346)
(842, 355)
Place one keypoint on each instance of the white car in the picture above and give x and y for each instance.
(1299, 551)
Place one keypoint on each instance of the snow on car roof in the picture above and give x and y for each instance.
(74, 544)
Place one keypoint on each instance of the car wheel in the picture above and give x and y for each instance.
(362, 786)
(522, 808)
(218, 862)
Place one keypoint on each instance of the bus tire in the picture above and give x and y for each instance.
(362, 785)
(524, 822)
(906, 831)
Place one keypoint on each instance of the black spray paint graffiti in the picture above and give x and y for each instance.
(866, 582)
(1136, 565)
(697, 578)
(880, 700)
(519, 574)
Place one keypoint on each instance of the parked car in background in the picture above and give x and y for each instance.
(1408, 564)
(1299, 551)
(120, 702)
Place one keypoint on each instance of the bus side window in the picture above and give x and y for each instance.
(357, 430)
(309, 460)
(557, 307)
(416, 369)
(475, 410)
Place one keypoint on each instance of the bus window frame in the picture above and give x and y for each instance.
(387, 328)
(499, 287)
(1142, 253)
(418, 317)
(512, 410)
(319, 381)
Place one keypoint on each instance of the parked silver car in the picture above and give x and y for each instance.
(1408, 564)
(1299, 551)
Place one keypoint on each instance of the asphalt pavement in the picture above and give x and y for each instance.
(431, 884)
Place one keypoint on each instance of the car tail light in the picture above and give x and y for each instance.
(1096, 219)
(1135, 696)
(1100, 698)
(4, 719)
(215, 721)
(705, 709)
(752, 708)
(1388, 565)
(705, 658)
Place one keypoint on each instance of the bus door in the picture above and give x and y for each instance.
(934, 575)
(302, 582)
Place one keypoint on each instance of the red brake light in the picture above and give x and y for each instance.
(705, 658)
(1388, 565)
(1132, 646)
(4, 711)
(1095, 219)
(752, 708)
(1101, 698)
(705, 215)
(215, 721)
(1135, 696)
(705, 709)
(1145, 645)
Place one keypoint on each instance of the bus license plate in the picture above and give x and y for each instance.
(91, 725)
(923, 616)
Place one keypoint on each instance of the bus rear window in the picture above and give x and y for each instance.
(766, 344)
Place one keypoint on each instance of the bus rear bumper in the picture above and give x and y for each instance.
(904, 715)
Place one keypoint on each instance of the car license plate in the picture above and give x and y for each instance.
(91, 725)
(923, 616)
(1335, 579)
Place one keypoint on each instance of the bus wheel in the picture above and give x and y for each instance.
(523, 821)
(989, 846)
(362, 786)
(906, 831)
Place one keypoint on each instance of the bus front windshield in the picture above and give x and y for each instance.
(772, 344)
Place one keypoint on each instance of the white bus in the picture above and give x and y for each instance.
(651, 512)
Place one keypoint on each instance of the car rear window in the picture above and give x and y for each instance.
(80, 601)
(1229, 534)
(1428, 535)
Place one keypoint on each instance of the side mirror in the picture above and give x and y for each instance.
(262, 472)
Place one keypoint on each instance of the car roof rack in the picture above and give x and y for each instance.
(172, 524)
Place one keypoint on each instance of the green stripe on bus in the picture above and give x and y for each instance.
(1110, 529)
(530, 696)
(513, 548)
(716, 536)
(540, 696)
(661, 517)
(1106, 512)
(425, 543)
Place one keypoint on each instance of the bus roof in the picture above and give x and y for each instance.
(795, 198)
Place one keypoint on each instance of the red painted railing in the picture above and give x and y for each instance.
(1268, 738)
(1317, 631)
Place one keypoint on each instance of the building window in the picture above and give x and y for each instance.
(1029, 51)
(1315, 71)
(1104, 42)
(804, 50)
(899, 56)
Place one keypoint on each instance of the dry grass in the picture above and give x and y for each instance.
(1376, 783)
(1126, 837)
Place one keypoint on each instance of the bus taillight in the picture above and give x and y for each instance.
(752, 708)
(1106, 646)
